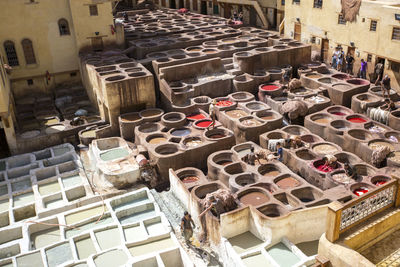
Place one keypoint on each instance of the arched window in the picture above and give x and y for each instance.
(12, 57)
(63, 27)
(28, 51)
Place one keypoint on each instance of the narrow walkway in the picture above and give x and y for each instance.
(385, 252)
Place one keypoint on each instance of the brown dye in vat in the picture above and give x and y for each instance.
(190, 179)
(325, 149)
(377, 144)
(132, 117)
(224, 162)
(236, 113)
(288, 182)
(251, 122)
(323, 120)
(157, 140)
(272, 173)
(216, 136)
(314, 76)
(267, 118)
(254, 199)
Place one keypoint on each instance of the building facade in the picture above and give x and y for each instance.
(43, 41)
(374, 36)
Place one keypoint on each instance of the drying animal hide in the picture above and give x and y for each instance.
(379, 155)
(224, 197)
(294, 84)
(295, 109)
(350, 9)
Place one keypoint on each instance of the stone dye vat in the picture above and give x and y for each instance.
(45, 120)
(178, 141)
(115, 162)
(354, 132)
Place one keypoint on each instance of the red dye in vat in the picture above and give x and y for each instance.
(338, 113)
(196, 117)
(203, 124)
(269, 87)
(324, 168)
(378, 183)
(224, 103)
(357, 120)
(360, 191)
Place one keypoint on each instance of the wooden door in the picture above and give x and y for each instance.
(324, 50)
(297, 31)
(97, 44)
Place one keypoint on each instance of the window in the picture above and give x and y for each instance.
(195, 5)
(63, 27)
(28, 51)
(341, 19)
(11, 53)
(210, 4)
(369, 58)
(313, 40)
(282, 2)
(216, 9)
(317, 3)
(72, 74)
(93, 10)
(395, 66)
(29, 82)
(297, 2)
(396, 33)
(373, 25)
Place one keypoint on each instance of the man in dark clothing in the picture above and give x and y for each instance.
(378, 72)
(251, 158)
(187, 226)
(349, 63)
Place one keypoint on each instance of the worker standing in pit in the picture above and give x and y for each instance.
(187, 226)
(212, 111)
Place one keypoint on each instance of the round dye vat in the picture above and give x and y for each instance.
(89, 134)
(380, 182)
(314, 75)
(325, 149)
(338, 113)
(376, 144)
(357, 120)
(193, 142)
(216, 136)
(190, 179)
(204, 124)
(196, 117)
(267, 118)
(236, 113)
(272, 173)
(224, 162)
(251, 122)
(269, 87)
(360, 191)
(288, 182)
(131, 117)
(180, 132)
(341, 178)
(254, 199)
(323, 120)
(224, 103)
(157, 140)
